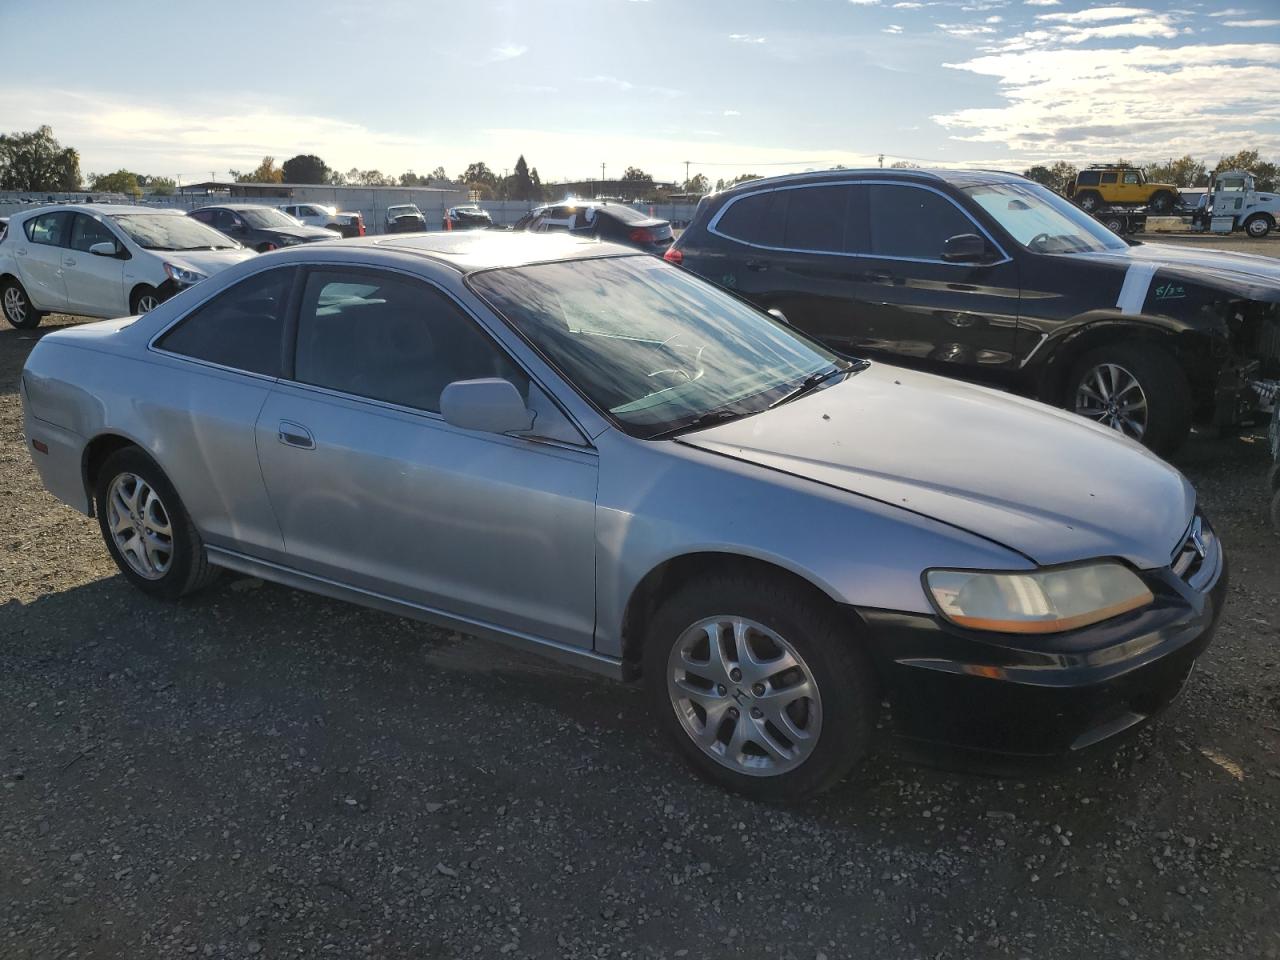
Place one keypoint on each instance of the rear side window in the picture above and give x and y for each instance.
(1087, 178)
(241, 327)
(910, 223)
(1109, 177)
(389, 338)
(51, 229)
(758, 218)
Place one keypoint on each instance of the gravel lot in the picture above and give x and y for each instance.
(257, 771)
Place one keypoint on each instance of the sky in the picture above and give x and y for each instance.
(188, 90)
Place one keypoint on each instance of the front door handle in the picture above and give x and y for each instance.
(759, 266)
(296, 435)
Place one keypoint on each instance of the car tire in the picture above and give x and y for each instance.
(147, 529)
(1161, 203)
(1162, 387)
(144, 299)
(812, 644)
(18, 309)
(1258, 226)
(1114, 224)
(1089, 200)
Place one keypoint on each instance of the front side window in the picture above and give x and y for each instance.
(1110, 177)
(911, 223)
(267, 218)
(1042, 221)
(1131, 177)
(654, 347)
(390, 338)
(159, 231)
(87, 231)
(241, 327)
(49, 229)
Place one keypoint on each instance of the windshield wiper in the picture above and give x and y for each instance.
(812, 382)
(710, 418)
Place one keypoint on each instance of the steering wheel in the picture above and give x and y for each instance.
(1039, 240)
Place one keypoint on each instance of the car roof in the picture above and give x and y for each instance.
(958, 178)
(465, 251)
(101, 209)
(245, 206)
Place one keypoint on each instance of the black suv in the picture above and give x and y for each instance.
(259, 227)
(988, 276)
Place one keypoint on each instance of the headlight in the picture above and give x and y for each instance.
(182, 275)
(1042, 601)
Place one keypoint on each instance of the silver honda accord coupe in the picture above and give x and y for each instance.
(584, 451)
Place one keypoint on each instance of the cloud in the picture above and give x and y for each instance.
(626, 86)
(507, 51)
(1042, 3)
(1229, 12)
(1068, 102)
(1095, 15)
(745, 38)
(731, 113)
(994, 20)
(908, 5)
(1251, 23)
(865, 3)
(966, 29)
(892, 28)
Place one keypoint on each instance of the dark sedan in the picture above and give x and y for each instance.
(469, 217)
(988, 276)
(614, 222)
(260, 228)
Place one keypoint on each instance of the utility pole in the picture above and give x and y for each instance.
(686, 175)
(882, 160)
(602, 176)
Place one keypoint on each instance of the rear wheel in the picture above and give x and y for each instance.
(760, 685)
(1114, 223)
(18, 309)
(1089, 200)
(1135, 389)
(146, 528)
(1258, 226)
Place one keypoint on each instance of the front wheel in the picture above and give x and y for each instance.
(146, 528)
(144, 300)
(1135, 389)
(1089, 201)
(18, 309)
(1257, 226)
(1162, 202)
(761, 686)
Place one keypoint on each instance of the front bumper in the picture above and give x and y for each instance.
(1045, 696)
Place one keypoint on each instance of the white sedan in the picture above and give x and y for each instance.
(101, 260)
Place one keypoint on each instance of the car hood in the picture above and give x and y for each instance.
(1247, 275)
(208, 262)
(1046, 483)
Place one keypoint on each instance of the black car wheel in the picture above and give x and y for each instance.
(146, 528)
(17, 306)
(1089, 200)
(1114, 224)
(1135, 389)
(1258, 226)
(761, 686)
(1162, 202)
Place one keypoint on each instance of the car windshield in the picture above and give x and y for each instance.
(403, 212)
(158, 231)
(1041, 220)
(657, 349)
(470, 211)
(267, 218)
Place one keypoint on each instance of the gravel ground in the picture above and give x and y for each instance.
(258, 771)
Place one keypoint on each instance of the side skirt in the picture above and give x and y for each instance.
(562, 652)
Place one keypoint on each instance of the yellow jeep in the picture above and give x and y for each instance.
(1113, 185)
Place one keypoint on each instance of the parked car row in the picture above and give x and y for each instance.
(331, 218)
(574, 447)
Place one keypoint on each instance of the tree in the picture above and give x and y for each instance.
(904, 165)
(1265, 174)
(478, 173)
(1186, 171)
(267, 172)
(535, 182)
(337, 178)
(375, 178)
(122, 181)
(35, 161)
(411, 179)
(1055, 177)
(636, 175)
(698, 183)
(305, 168)
(521, 182)
(438, 174)
(161, 186)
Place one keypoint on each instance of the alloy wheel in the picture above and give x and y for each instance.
(15, 306)
(140, 526)
(148, 302)
(1112, 396)
(744, 695)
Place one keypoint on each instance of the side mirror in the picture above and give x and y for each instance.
(778, 315)
(105, 248)
(491, 405)
(964, 248)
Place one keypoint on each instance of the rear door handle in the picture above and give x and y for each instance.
(296, 435)
(759, 266)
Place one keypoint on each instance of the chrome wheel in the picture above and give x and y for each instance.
(1112, 396)
(15, 306)
(1258, 227)
(744, 696)
(148, 302)
(140, 526)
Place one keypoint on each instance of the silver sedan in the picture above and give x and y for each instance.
(577, 449)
